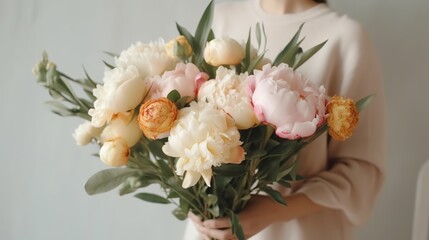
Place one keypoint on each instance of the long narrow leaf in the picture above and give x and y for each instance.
(203, 31)
(183, 31)
(292, 42)
(308, 54)
(363, 103)
(153, 198)
(236, 226)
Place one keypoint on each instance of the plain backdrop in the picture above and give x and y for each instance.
(42, 171)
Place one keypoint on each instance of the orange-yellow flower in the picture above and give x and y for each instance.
(342, 118)
(156, 117)
(179, 47)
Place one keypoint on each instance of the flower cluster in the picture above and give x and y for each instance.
(205, 133)
(201, 107)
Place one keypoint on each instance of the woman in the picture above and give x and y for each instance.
(342, 178)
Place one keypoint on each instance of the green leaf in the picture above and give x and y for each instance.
(174, 95)
(211, 35)
(258, 35)
(246, 60)
(108, 179)
(179, 214)
(126, 189)
(59, 108)
(210, 199)
(235, 225)
(156, 148)
(308, 54)
(183, 101)
(183, 31)
(151, 197)
(275, 195)
(108, 65)
(203, 31)
(230, 170)
(215, 211)
(286, 49)
(111, 54)
(363, 103)
(166, 170)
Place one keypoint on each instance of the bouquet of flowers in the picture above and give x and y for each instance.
(209, 120)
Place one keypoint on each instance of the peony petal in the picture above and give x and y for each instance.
(191, 178)
(207, 176)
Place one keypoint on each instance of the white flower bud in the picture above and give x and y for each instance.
(223, 51)
(115, 153)
(85, 132)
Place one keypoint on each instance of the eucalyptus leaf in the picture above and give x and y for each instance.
(230, 170)
(174, 95)
(179, 214)
(108, 179)
(59, 108)
(156, 148)
(165, 169)
(126, 189)
(151, 197)
(275, 195)
(364, 102)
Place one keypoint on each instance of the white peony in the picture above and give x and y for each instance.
(230, 92)
(123, 90)
(85, 132)
(202, 137)
(150, 59)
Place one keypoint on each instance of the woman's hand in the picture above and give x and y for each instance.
(260, 212)
(253, 219)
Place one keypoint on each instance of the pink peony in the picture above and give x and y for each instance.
(285, 99)
(185, 78)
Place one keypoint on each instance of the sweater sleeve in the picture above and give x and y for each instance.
(355, 176)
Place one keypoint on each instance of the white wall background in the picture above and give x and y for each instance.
(42, 172)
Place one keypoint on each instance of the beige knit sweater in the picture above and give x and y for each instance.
(345, 176)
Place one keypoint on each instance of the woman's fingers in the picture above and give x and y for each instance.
(220, 234)
(217, 223)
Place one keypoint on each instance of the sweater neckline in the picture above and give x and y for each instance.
(288, 17)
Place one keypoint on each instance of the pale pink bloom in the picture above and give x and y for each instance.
(185, 78)
(285, 99)
(230, 92)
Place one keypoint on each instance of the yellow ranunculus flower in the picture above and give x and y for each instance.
(157, 116)
(342, 118)
(179, 47)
